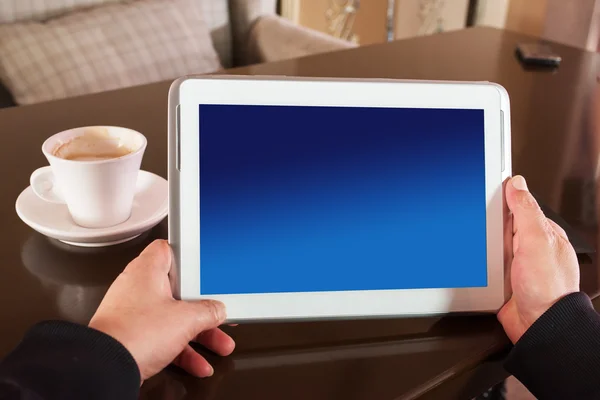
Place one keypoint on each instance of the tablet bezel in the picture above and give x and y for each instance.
(187, 94)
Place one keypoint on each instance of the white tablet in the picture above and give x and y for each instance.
(297, 198)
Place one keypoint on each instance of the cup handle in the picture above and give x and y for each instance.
(43, 185)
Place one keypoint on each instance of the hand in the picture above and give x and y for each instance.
(140, 312)
(544, 267)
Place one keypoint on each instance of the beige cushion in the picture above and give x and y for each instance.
(244, 14)
(39, 10)
(216, 15)
(105, 48)
(274, 38)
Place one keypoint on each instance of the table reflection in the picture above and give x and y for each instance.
(78, 277)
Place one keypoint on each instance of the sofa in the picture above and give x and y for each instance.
(62, 48)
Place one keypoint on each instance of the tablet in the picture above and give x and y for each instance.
(305, 198)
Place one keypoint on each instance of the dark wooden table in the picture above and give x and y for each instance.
(556, 145)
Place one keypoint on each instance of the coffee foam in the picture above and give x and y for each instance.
(95, 144)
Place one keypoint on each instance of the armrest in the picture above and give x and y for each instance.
(6, 99)
(274, 38)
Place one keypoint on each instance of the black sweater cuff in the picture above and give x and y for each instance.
(559, 355)
(66, 360)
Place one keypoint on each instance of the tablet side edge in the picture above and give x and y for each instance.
(174, 179)
(506, 175)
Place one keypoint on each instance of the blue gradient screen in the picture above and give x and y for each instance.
(306, 199)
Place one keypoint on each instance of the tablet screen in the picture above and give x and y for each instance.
(305, 199)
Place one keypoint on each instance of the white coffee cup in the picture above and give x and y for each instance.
(93, 170)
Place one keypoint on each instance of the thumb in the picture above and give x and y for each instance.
(208, 314)
(528, 219)
(156, 257)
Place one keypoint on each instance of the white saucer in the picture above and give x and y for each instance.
(150, 206)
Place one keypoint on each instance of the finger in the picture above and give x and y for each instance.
(528, 218)
(508, 217)
(558, 229)
(155, 257)
(509, 318)
(506, 310)
(216, 341)
(193, 363)
(208, 314)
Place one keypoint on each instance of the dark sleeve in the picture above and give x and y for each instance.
(559, 355)
(62, 360)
